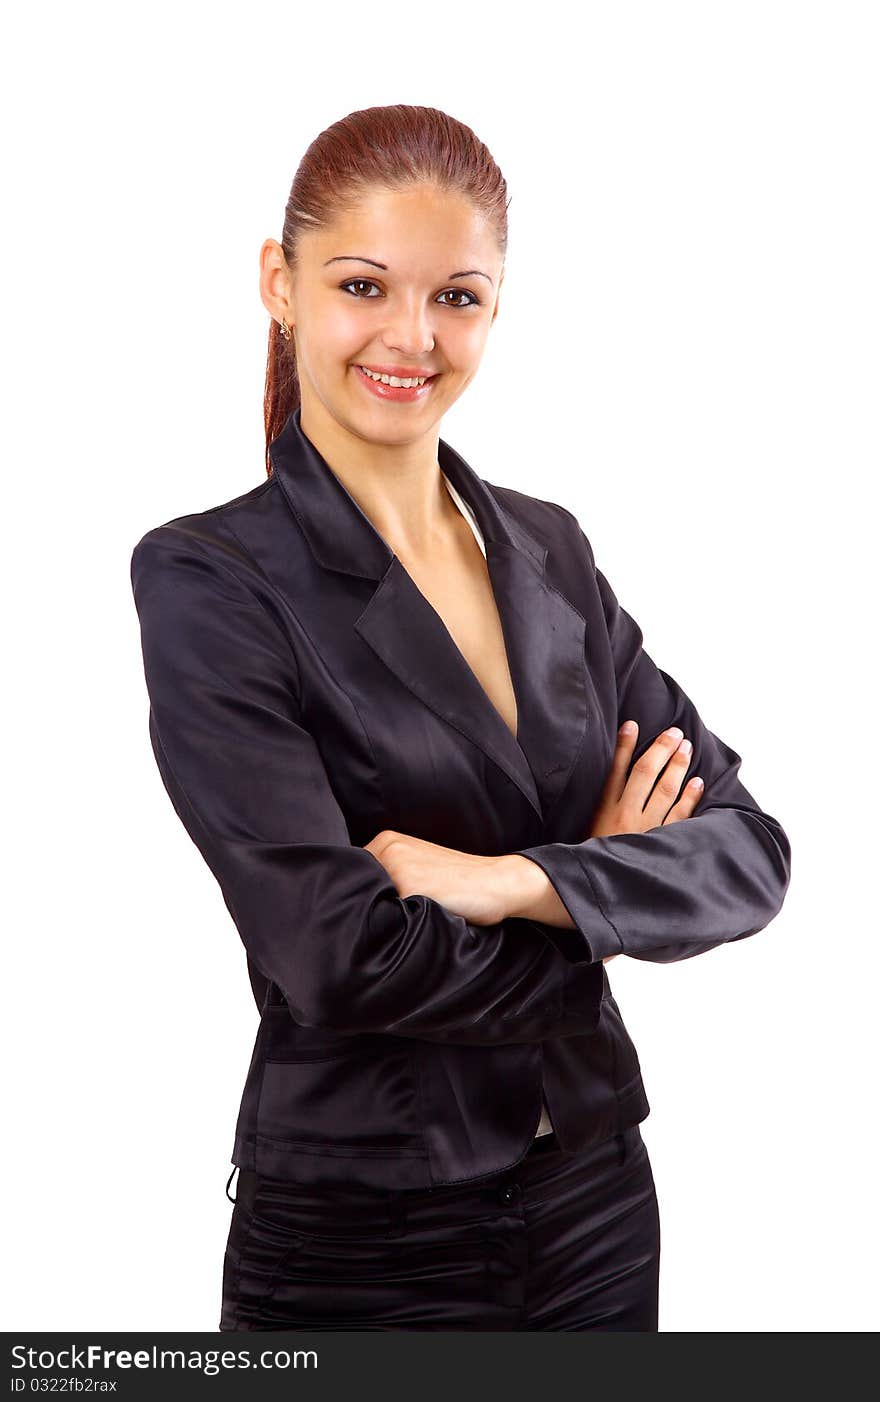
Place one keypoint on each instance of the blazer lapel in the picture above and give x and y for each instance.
(410, 637)
(543, 632)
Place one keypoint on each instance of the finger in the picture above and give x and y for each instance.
(623, 753)
(693, 792)
(669, 784)
(379, 846)
(644, 772)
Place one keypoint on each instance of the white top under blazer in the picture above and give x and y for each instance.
(545, 1126)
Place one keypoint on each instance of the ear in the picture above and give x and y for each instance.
(275, 290)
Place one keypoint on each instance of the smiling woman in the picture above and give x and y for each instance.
(386, 701)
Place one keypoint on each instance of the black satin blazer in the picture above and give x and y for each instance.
(304, 695)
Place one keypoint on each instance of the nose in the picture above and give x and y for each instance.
(409, 332)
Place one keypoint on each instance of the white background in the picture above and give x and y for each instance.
(686, 357)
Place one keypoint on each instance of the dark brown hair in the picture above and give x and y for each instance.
(388, 147)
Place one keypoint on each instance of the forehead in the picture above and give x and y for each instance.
(407, 229)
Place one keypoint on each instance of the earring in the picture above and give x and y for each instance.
(284, 329)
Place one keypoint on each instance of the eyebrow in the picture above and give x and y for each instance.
(354, 258)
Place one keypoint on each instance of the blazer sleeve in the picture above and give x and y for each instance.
(319, 916)
(680, 889)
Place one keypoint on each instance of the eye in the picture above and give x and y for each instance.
(461, 292)
(358, 282)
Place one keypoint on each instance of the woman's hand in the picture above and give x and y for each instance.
(473, 887)
(632, 801)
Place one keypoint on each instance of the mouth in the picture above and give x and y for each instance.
(397, 385)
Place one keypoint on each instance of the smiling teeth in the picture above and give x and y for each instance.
(393, 379)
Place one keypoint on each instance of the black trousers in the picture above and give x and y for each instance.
(560, 1242)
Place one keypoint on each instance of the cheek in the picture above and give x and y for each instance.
(466, 342)
(341, 336)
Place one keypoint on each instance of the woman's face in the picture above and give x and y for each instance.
(407, 281)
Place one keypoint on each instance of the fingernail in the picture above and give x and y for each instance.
(685, 747)
(674, 733)
(629, 727)
(697, 783)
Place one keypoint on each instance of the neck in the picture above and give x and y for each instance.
(398, 486)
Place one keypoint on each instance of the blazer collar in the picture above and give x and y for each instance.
(543, 632)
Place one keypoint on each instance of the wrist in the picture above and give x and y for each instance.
(525, 887)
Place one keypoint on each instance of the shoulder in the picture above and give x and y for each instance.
(210, 534)
(198, 590)
(549, 522)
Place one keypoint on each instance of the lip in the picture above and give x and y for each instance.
(396, 394)
(402, 372)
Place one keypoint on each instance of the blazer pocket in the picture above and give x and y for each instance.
(359, 1098)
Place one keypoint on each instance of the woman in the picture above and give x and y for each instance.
(418, 742)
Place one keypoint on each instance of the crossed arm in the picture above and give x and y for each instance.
(487, 889)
